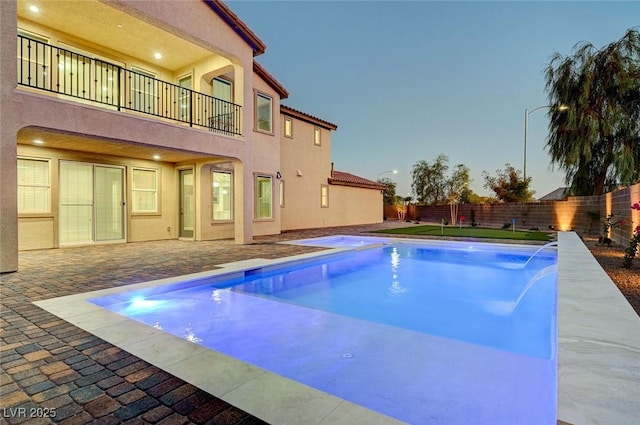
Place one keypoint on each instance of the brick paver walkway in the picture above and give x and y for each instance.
(50, 367)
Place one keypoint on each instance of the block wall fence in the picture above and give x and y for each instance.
(569, 214)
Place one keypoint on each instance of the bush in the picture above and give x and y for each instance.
(506, 226)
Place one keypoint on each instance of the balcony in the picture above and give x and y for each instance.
(76, 76)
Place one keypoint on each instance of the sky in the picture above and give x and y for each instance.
(406, 81)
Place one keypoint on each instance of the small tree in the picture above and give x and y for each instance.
(508, 185)
(430, 181)
(457, 188)
(389, 194)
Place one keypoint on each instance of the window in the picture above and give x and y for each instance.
(263, 112)
(222, 118)
(281, 193)
(317, 140)
(143, 91)
(33, 186)
(222, 89)
(185, 85)
(222, 195)
(324, 196)
(84, 74)
(144, 190)
(263, 197)
(33, 60)
(288, 127)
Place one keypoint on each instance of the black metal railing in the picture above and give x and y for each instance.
(57, 70)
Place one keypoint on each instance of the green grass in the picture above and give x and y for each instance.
(470, 232)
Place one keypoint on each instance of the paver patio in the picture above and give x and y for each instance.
(49, 366)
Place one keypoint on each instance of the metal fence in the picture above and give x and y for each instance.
(57, 70)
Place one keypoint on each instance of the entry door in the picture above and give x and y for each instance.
(91, 203)
(187, 204)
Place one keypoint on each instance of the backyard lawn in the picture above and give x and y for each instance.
(470, 232)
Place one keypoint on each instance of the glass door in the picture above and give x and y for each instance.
(109, 203)
(187, 203)
(91, 203)
(76, 203)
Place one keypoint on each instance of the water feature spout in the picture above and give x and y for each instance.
(545, 246)
(504, 308)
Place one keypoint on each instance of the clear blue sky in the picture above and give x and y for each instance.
(408, 80)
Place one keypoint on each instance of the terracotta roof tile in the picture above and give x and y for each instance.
(306, 117)
(238, 26)
(347, 179)
(270, 79)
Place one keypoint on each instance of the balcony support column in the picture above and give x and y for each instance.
(9, 127)
(243, 203)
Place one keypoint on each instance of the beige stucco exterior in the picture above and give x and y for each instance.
(306, 169)
(39, 123)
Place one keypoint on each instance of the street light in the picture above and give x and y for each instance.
(526, 128)
(385, 172)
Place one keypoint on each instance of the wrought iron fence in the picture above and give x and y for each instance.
(57, 70)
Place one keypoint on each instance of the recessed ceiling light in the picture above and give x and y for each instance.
(156, 157)
(34, 9)
(38, 142)
(157, 55)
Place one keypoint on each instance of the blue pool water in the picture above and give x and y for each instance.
(423, 332)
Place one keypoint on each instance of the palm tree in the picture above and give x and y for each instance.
(596, 140)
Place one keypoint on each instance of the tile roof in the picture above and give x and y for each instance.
(347, 179)
(270, 79)
(238, 26)
(306, 117)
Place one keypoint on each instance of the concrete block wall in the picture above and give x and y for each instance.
(569, 214)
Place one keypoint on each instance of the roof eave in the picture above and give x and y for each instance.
(270, 79)
(308, 118)
(360, 185)
(238, 26)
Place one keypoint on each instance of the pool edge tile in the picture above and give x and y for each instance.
(280, 400)
(598, 334)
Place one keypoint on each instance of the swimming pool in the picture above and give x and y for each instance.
(422, 332)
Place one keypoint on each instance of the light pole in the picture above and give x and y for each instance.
(385, 172)
(526, 129)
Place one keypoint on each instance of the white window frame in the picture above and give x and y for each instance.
(288, 127)
(213, 195)
(259, 95)
(134, 207)
(317, 136)
(324, 196)
(282, 193)
(257, 197)
(46, 185)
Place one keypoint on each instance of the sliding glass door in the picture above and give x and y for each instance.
(92, 203)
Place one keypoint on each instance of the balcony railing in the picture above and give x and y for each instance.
(53, 69)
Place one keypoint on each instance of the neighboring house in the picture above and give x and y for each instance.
(134, 121)
(312, 194)
(560, 194)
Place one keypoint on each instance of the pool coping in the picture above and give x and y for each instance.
(591, 355)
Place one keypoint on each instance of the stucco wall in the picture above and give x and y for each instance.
(306, 168)
(353, 205)
(38, 231)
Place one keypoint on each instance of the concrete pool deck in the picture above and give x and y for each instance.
(47, 362)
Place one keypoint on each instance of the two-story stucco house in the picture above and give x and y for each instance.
(127, 121)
